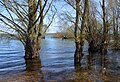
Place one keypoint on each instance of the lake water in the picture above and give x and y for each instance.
(56, 63)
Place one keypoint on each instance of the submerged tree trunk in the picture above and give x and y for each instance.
(32, 48)
(91, 28)
(115, 26)
(104, 40)
(78, 51)
(33, 68)
(79, 41)
(92, 46)
(32, 45)
(33, 65)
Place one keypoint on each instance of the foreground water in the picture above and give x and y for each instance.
(56, 64)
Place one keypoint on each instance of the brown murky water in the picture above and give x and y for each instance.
(56, 64)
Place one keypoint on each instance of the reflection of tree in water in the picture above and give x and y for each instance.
(33, 70)
(82, 73)
(105, 74)
(33, 65)
(89, 61)
(96, 69)
(33, 73)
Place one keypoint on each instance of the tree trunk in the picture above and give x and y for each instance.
(91, 24)
(32, 47)
(92, 46)
(79, 41)
(78, 53)
(104, 40)
(115, 26)
(33, 65)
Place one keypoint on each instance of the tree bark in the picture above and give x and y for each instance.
(104, 39)
(33, 65)
(115, 25)
(32, 47)
(77, 55)
(79, 42)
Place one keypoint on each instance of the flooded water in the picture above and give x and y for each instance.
(56, 63)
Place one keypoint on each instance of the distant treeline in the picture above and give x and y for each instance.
(62, 35)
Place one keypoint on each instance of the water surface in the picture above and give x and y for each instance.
(56, 63)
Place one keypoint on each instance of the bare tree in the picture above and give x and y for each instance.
(79, 27)
(93, 28)
(114, 6)
(26, 19)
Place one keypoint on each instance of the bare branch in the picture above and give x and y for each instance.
(13, 23)
(41, 12)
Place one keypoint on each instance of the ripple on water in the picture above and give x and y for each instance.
(11, 56)
(57, 60)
